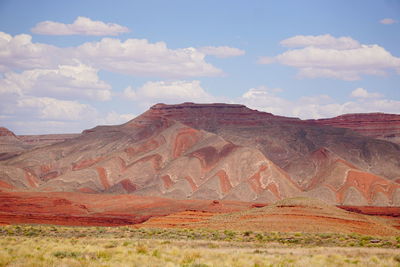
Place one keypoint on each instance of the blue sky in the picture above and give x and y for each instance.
(66, 66)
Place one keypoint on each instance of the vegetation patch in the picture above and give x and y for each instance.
(126, 246)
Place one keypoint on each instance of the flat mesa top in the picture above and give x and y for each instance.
(194, 105)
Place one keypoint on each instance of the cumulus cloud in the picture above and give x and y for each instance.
(54, 109)
(39, 115)
(315, 107)
(388, 21)
(362, 93)
(221, 51)
(321, 41)
(132, 56)
(168, 92)
(265, 99)
(19, 52)
(139, 57)
(65, 82)
(81, 26)
(114, 118)
(340, 58)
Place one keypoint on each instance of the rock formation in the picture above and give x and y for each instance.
(377, 125)
(214, 151)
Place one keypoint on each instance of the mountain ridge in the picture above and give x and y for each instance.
(214, 151)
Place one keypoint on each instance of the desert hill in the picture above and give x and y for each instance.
(213, 151)
(287, 215)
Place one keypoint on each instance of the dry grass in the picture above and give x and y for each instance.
(123, 246)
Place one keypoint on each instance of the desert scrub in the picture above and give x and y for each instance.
(110, 251)
(127, 234)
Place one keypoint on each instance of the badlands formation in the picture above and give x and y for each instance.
(201, 157)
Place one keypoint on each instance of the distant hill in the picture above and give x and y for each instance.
(216, 151)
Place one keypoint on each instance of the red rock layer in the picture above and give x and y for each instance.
(376, 125)
(64, 208)
(291, 217)
(218, 113)
(45, 139)
(5, 132)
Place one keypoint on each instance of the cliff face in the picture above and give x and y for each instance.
(214, 151)
(376, 125)
(5, 132)
(210, 116)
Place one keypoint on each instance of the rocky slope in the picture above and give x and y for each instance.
(153, 156)
(377, 125)
(295, 146)
(214, 151)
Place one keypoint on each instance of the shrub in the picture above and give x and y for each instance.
(156, 253)
(247, 233)
(141, 249)
(66, 254)
(396, 258)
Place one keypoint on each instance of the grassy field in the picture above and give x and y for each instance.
(39, 245)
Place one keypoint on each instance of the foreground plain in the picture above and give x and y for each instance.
(39, 245)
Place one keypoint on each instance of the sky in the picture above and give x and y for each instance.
(66, 66)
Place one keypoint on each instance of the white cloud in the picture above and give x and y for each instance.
(45, 126)
(340, 58)
(81, 26)
(66, 82)
(19, 52)
(168, 92)
(133, 57)
(139, 57)
(114, 118)
(321, 41)
(53, 109)
(221, 51)
(265, 99)
(40, 115)
(362, 93)
(315, 107)
(129, 93)
(265, 60)
(388, 21)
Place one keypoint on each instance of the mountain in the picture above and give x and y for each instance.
(377, 125)
(214, 151)
(12, 145)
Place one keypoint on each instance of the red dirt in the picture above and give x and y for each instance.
(224, 182)
(64, 208)
(156, 160)
(128, 185)
(183, 219)
(255, 182)
(68, 208)
(185, 139)
(85, 163)
(368, 184)
(103, 177)
(279, 218)
(167, 181)
(142, 149)
(31, 179)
